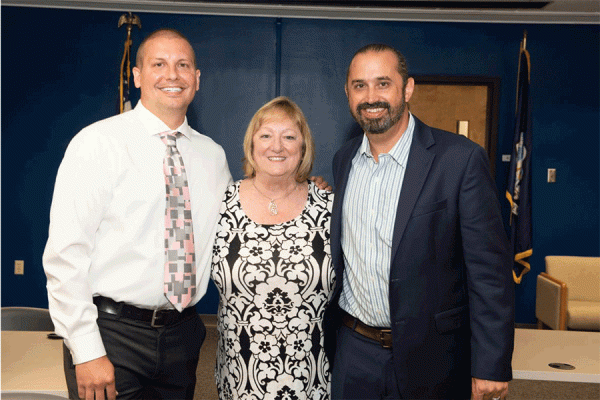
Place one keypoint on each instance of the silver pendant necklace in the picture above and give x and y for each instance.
(272, 207)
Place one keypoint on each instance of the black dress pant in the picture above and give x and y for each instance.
(150, 363)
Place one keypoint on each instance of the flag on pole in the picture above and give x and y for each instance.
(124, 102)
(518, 192)
(129, 20)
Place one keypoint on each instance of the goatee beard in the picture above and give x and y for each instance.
(382, 124)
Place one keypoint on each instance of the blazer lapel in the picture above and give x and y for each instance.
(341, 174)
(344, 173)
(417, 168)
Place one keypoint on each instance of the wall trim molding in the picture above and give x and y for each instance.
(322, 12)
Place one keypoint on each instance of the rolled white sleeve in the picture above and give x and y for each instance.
(81, 193)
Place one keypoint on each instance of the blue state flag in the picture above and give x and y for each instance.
(518, 192)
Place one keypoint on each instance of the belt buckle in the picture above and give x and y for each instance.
(153, 322)
(386, 343)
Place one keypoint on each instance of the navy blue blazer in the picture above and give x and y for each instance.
(451, 290)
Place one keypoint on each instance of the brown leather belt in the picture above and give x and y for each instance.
(383, 336)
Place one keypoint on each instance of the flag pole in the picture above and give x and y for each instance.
(518, 190)
(129, 20)
(521, 50)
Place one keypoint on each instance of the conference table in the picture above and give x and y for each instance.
(549, 355)
(32, 366)
(32, 363)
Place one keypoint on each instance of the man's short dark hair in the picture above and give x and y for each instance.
(380, 47)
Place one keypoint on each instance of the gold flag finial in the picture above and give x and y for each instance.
(130, 19)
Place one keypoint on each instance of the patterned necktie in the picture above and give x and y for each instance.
(180, 260)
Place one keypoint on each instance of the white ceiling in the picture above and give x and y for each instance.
(491, 11)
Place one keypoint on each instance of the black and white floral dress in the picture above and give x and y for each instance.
(274, 283)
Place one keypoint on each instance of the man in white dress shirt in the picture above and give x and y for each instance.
(105, 254)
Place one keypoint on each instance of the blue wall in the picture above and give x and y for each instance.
(60, 73)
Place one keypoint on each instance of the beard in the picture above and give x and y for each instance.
(383, 123)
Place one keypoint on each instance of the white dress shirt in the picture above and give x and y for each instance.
(107, 221)
(368, 217)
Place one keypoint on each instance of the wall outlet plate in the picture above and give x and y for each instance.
(551, 175)
(19, 267)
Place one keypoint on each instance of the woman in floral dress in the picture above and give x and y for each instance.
(272, 266)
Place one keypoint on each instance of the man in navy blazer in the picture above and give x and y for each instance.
(424, 300)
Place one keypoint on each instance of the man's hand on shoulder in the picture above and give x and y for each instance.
(321, 183)
(93, 377)
(482, 389)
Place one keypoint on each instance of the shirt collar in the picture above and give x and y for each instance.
(154, 125)
(399, 152)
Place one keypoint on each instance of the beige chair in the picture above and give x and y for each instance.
(568, 294)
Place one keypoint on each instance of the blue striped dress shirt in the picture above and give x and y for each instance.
(368, 217)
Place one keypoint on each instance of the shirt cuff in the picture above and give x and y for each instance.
(86, 347)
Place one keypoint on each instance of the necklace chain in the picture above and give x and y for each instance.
(272, 207)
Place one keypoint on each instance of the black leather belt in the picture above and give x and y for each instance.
(154, 318)
(383, 336)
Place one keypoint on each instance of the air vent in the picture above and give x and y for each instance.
(473, 5)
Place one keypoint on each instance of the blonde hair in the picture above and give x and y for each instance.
(286, 106)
